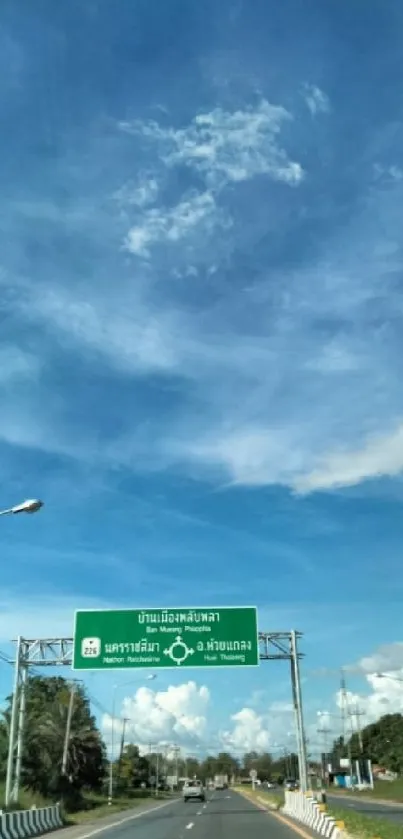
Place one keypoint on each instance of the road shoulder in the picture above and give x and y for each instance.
(98, 826)
(300, 830)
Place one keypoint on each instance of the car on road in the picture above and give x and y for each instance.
(291, 784)
(193, 790)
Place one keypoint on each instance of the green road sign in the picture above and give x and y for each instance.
(200, 637)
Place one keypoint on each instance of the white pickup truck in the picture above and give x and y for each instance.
(193, 790)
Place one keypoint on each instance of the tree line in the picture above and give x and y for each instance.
(87, 766)
(380, 741)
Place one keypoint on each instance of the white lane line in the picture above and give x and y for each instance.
(204, 806)
(199, 812)
(111, 825)
(189, 826)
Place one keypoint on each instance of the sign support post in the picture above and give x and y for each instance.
(57, 652)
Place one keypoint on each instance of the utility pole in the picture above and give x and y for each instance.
(164, 770)
(16, 728)
(176, 759)
(325, 731)
(122, 742)
(20, 733)
(346, 714)
(299, 717)
(343, 705)
(357, 713)
(110, 793)
(157, 774)
(150, 748)
(122, 745)
(68, 728)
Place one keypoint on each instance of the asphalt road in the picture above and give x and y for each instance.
(392, 812)
(224, 815)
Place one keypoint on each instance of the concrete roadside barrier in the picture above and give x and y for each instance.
(304, 808)
(22, 824)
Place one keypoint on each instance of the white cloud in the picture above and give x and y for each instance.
(383, 673)
(132, 336)
(250, 456)
(249, 732)
(228, 147)
(316, 100)
(140, 194)
(385, 697)
(175, 715)
(379, 456)
(324, 721)
(271, 377)
(197, 211)
(386, 659)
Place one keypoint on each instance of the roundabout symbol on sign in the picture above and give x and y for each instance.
(178, 651)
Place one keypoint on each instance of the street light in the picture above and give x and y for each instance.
(32, 505)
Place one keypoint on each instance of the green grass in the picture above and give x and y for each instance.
(95, 806)
(365, 827)
(27, 799)
(388, 790)
(274, 800)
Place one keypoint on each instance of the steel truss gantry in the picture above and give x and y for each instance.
(58, 652)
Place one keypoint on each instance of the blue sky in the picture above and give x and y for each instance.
(200, 279)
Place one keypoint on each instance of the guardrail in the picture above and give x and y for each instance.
(22, 824)
(304, 808)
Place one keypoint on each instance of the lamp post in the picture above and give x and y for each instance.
(14, 758)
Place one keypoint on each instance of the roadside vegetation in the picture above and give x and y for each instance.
(84, 785)
(272, 799)
(386, 790)
(366, 827)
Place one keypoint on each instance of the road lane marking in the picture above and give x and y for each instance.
(298, 830)
(199, 812)
(189, 826)
(126, 819)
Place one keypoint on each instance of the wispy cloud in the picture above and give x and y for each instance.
(382, 456)
(193, 214)
(131, 336)
(140, 193)
(227, 146)
(316, 100)
(267, 367)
